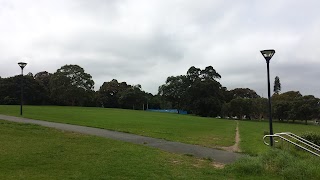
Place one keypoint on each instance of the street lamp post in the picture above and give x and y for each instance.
(22, 65)
(267, 54)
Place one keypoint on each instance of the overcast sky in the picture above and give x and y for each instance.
(145, 41)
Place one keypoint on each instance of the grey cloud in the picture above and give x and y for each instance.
(146, 41)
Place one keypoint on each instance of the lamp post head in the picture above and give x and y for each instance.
(267, 54)
(22, 64)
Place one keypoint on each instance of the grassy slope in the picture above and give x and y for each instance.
(35, 152)
(252, 132)
(183, 128)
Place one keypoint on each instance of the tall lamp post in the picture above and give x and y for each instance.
(267, 54)
(22, 65)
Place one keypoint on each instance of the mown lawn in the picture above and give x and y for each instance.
(252, 132)
(34, 152)
(208, 132)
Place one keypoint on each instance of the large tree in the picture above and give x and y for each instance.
(287, 96)
(109, 93)
(205, 98)
(196, 74)
(209, 74)
(43, 78)
(197, 91)
(251, 108)
(243, 93)
(292, 105)
(174, 90)
(277, 85)
(193, 74)
(133, 97)
(239, 107)
(10, 90)
(155, 102)
(305, 108)
(70, 85)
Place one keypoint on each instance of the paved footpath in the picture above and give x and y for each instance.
(218, 156)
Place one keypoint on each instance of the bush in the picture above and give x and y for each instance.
(312, 137)
(9, 101)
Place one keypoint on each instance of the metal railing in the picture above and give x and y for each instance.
(308, 146)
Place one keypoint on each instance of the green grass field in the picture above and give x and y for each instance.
(208, 132)
(182, 128)
(35, 152)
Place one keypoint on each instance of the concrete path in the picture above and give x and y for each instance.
(218, 156)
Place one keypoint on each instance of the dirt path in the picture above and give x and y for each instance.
(235, 147)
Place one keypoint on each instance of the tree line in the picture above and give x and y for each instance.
(198, 91)
(70, 85)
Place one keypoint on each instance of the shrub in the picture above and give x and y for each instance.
(312, 137)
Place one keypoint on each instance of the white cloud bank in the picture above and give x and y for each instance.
(145, 41)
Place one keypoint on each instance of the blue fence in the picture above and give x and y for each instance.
(176, 111)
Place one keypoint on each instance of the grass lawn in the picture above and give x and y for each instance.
(208, 132)
(252, 132)
(182, 128)
(33, 152)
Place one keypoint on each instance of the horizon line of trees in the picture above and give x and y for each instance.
(70, 85)
(198, 91)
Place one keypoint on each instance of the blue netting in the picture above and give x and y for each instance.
(176, 111)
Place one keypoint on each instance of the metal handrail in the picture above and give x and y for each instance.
(300, 139)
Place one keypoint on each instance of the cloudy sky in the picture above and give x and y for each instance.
(145, 41)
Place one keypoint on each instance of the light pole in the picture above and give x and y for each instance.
(267, 54)
(22, 65)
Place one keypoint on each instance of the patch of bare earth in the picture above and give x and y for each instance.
(235, 147)
(202, 162)
(199, 163)
(218, 165)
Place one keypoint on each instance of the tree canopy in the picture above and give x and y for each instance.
(277, 85)
(198, 91)
(70, 85)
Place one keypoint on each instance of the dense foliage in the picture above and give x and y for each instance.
(198, 91)
(312, 137)
(70, 85)
(277, 85)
